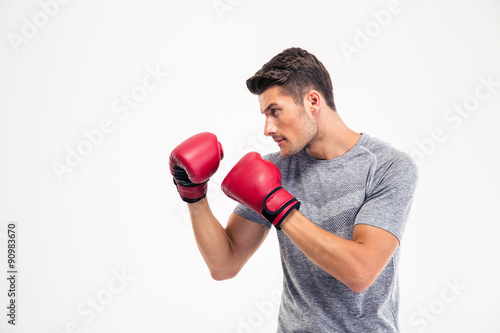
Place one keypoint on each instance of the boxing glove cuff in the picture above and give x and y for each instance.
(277, 205)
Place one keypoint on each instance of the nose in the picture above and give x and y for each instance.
(269, 127)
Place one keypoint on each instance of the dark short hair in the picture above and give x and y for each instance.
(296, 71)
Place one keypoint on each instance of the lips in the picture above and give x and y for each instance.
(279, 141)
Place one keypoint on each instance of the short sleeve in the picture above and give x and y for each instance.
(388, 201)
(249, 214)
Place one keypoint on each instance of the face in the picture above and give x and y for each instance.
(291, 127)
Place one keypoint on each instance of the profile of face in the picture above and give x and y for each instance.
(290, 125)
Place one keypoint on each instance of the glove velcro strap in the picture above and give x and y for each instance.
(193, 193)
(277, 205)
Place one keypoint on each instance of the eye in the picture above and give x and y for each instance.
(273, 111)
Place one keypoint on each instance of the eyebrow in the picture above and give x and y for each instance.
(269, 107)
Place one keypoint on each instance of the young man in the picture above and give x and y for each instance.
(338, 199)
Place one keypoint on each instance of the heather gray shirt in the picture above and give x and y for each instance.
(373, 183)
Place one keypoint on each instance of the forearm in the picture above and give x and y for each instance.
(212, 240)
(348, 261)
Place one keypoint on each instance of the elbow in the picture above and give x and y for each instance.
(222, 275)
(360, 281)
(359, 287)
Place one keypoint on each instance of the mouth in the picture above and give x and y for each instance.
(279, 141)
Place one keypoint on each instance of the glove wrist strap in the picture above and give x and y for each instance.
(277, 205)
(192, 193)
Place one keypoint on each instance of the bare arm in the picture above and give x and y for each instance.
(355, 263)
(225, 250)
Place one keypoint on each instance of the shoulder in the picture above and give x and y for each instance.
(390, 161)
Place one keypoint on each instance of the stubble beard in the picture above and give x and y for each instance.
(310, 134)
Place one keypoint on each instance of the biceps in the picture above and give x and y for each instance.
(378, 245)
(245, 237)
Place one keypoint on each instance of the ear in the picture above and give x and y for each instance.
(313, 102)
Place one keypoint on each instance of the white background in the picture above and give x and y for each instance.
(117, 211)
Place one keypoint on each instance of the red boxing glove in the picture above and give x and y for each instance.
(257, 183)
(193, 162)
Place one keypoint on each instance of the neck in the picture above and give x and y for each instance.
(334, 137)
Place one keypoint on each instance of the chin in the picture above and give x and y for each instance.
(286, 153)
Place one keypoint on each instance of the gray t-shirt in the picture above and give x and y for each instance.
(373, 183)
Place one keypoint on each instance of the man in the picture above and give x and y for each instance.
(339, 201)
